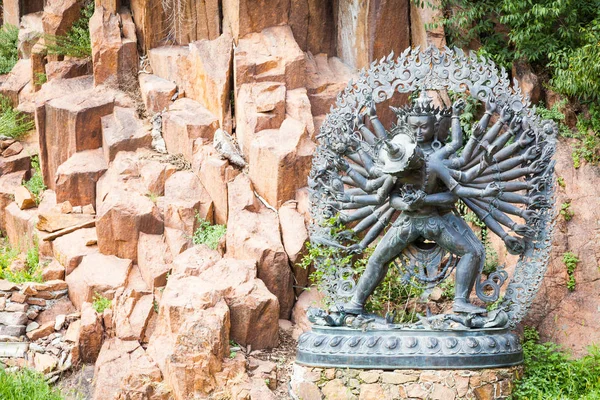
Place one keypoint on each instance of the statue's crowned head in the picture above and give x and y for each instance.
(424, 120)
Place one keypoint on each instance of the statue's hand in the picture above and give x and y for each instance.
(491, 190)
(506, 114)
(532, 153)
(415, 200)
(343, 197)
(458, 107)
(355, 248)
(514, 245)
(515, 123)
(342, 164)
(490, 104)
(526, 138)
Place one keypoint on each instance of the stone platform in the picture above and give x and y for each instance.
(310, 383)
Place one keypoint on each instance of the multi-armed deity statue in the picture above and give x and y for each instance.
(395, 189)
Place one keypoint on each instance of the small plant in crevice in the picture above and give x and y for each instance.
(36, 183)
(208, 234)
(152, 196)
(9, 55)
(587, 146)
(570, 260)
(566, 212)
(40, 78)
(13, 124)
(101, 303)
(561, 181)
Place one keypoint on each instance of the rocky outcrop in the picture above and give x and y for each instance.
(76, 178)
(253, 233)
(114, 47)
(370, 31)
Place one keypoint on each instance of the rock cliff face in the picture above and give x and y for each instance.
(134, 154)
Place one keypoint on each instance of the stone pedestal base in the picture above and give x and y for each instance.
(310, 383)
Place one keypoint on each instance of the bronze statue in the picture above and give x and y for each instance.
(417, 175)
(396, 190)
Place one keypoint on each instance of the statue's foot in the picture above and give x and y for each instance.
(350, 307)
(462, 306)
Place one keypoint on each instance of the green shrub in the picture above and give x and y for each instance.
(570, 260)
(208, 234)
(551, 374)
(9, 38)
(566, 212)
(7, 255)
(33, 270)
(588, 137)
(101, 303)
(40, 78)
(36, 183)
(13, 123)
(26, 384)
(77, 41)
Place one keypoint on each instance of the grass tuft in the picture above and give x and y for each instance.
(9, 55)
(13, 123)
(36, 183)
(26, 384)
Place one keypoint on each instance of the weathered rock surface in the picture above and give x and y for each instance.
(569, 318)
(253, 233)
(294, 236)
(191, 336)
(13, 10)
(154, 259)
(124, 209)
(258, 106)
(270, 56)
(186, 121)
(123, 131)
(59, 16)
(124, 370)
(369, 31)
(20, 226)
(71, 124)
(31, 26)
(241, 17)
(132, 311)
(214, 174)
(150, 22)
(90, 334)
(70, 249)
(17, 79)
(185, 199)
(311, 23)
(280, 161)
(8, 184)
(326, 78)
(97, 274)
(76, 178)
(24, 198)
(114, 47)
(68, 69)
(157, 92)
(211, 67)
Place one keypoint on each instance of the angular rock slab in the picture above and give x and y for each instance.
(76, 178)
(97, 273)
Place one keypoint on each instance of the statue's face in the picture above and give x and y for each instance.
(422, 127)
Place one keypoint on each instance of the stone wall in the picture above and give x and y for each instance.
(309, 383)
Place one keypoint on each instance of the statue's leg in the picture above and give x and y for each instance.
(391, 245)
(459, 239)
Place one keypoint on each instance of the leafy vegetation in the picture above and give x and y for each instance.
(77, 41)
(9, 55)
(36, 183)
(551, 374)
(588, 136)
(40, 78)
(13, 123)
(570, 260)
(101, 303)
(26, 384)
(208, 234)
(566, 212)
(33, 268)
